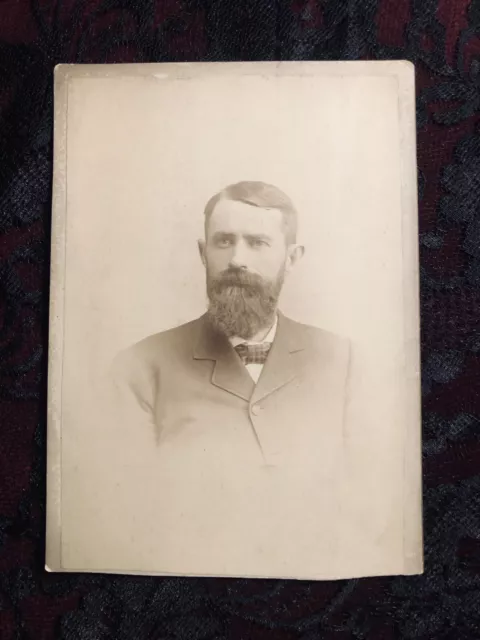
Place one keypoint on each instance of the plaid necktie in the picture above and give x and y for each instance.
(253, 353)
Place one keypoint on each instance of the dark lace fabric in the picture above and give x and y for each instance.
(442, 38)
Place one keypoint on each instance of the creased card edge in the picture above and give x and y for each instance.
(412, 481)
(53, 556)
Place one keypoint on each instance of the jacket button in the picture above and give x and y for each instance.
(256, 409)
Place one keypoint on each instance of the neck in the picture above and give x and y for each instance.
(263, 333)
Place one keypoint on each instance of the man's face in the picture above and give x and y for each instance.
(246, 256)
(245, 237)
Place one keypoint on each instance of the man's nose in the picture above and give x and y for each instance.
(238, 258)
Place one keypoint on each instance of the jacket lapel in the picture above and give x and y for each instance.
(229, 372)
(284, 361)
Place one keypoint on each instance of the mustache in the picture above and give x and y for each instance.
(232, 277)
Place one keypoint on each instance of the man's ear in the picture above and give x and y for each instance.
(201, 249)
(294, 255)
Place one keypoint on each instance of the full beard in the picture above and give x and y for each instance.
(242, 303)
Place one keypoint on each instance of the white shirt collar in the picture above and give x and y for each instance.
(234, 340)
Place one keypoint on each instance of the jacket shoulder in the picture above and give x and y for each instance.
(171, 338)
(320, 342)
(316, 334)
(147, 351)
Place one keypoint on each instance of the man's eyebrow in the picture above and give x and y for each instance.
(223, 234)
(257, 236)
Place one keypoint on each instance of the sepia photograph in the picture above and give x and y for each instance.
(243, 344)
(234, 372)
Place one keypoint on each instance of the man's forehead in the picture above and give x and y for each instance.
(234, 216)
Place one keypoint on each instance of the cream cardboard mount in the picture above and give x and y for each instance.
(171, 450)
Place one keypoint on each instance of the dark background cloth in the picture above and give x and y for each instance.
(442, 38)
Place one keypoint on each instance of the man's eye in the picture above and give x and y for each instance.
(259, 243)
(224, 242)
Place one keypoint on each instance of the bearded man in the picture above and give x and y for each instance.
(243, 358)
(246, 405)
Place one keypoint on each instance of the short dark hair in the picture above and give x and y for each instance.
(258, 194)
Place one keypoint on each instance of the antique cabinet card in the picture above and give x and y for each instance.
(234, 330)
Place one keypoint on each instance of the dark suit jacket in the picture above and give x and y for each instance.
(193, 388)
(226, 477)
